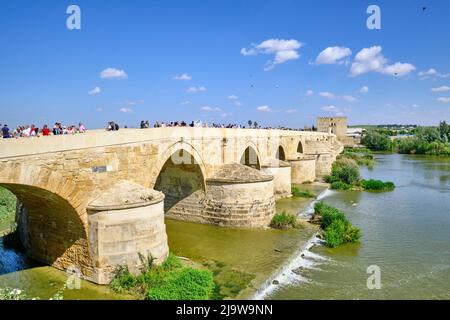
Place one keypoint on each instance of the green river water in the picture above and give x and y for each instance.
(405, 232)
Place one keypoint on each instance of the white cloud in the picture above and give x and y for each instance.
(112, 73)
(309, 93)
(443, 99)
(441, 89)
(126, 110)
(196, 89)
(330, 108)
(235, 100)
(348, 98)
(223, 115)
(372, 60)
(185, 103)
(432, 73)
(264, 109)
(291, 111)
(333, 55)
(99, 109)
(429, 73)
(332, 96)
(282, 50)
(95, 91)
(327, 95)
(182, 77)
(364, 89)
(210, 109)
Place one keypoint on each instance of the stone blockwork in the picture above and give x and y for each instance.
(126, 223)
(56, 178)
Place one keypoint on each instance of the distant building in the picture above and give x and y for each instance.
(334, 125)
(339, 127)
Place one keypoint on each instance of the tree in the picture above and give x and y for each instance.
(376, 141)
(250, 123)
(256, 124)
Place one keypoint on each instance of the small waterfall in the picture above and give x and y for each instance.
(309, 210)
(288, 274)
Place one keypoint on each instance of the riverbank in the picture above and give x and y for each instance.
(241, 259)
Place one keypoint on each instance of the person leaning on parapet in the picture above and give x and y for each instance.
(5, 132)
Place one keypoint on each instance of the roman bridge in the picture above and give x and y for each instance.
(92, 201)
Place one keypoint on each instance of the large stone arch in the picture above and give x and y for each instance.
(182, 179)
(249, 155)
(51, 216)
(167, 154)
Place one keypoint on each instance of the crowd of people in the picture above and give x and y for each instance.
(26, 131)
(59, 129)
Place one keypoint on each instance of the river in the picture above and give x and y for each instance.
(405, 232)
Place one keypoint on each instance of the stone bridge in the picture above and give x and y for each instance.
(93, 201)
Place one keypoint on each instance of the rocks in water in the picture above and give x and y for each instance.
(298, 270)
(316, 219)
(277, 250)
(275, 282)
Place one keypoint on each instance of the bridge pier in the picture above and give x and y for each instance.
(324, 163)
(303, 169)
(125, 222)
(281, 171)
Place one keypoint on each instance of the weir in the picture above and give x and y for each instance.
(97, 200)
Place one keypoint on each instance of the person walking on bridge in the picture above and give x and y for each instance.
(5, 132)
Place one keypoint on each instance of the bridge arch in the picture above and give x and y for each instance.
(51, 224)
(300, 148)
(281, 154)
(250, 156)
(181, 177)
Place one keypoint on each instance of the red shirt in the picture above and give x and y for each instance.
(46, 132)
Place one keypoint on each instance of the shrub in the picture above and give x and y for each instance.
(346, 170)
(334, 234)
(123, 280)
(296, 192)
(183, 284)
(284, 221)
(339, 185)
(337, 228)
(377, 185)
(377, 141)
(170, 281)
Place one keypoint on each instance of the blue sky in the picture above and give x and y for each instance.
(245, 60)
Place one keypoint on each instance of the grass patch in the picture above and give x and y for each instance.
(284, 221)
(337, 228)
(296, 192)
(339, 185)
(377, 185)
(8, 202)
(169, 281)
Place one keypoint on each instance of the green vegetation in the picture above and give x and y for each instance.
(170, 281)
(376, 141)
(296, 192)
(337, 228)
(344, 170)
(377, 185)
(7, 204)
(423, 140)
(284, 221)
(362, 156)
(345, 176)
